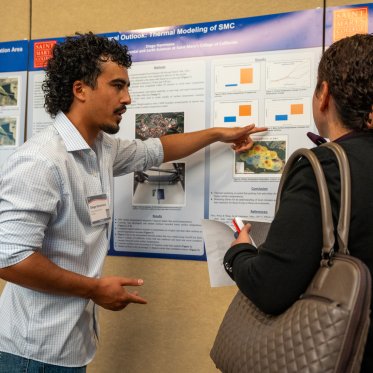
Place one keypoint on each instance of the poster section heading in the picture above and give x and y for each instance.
(13, 56)
(242, 35)
(254, 34)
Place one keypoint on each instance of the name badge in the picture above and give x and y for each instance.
(99, 211)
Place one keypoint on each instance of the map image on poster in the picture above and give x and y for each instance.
(265, 157)
(158, 124)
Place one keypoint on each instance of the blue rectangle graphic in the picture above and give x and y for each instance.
(281, 117)
(230, 119)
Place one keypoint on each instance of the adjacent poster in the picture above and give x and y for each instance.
(185, 78)
(13, 83)
(37, 117)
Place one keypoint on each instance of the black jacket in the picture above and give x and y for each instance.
(274, 276)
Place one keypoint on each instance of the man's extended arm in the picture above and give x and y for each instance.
(177, 146)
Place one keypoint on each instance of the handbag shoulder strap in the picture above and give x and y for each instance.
(326, 213)
(345, 204)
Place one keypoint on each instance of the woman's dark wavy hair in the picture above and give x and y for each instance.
(347, 67)
(78, 58)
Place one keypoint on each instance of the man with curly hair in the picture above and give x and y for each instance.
(56, 207)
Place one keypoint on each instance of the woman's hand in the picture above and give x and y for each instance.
(244, 236)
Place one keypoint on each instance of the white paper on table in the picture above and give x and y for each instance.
(218, 237)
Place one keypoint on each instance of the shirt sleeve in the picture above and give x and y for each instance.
(29, 198)
(275, 276)
(136, 155)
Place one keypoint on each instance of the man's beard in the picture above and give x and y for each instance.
(110, 129)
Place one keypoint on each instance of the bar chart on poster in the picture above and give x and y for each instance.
(236, 113)
(292, 112)
(237, 78)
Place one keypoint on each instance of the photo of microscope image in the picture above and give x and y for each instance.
(164, 185)
(8, 131)
(8, 91)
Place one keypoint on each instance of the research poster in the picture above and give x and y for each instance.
(218, 74)
(185, 78)
(13, 79)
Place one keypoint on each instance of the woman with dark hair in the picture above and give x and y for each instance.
(278, 272)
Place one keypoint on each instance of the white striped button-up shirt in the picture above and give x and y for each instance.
(44, 187)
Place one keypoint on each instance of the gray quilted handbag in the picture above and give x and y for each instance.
(325, 330)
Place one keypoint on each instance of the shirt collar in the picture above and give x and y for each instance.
(354, 134)
(69, 133)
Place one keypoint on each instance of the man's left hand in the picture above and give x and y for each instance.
(240, 136)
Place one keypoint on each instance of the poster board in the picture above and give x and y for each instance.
(175, 331)
(13, 85)
(226, 73)
(189, 77)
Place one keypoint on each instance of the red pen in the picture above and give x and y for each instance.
(238, 225)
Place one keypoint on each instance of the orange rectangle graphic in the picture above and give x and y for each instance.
(244, 111)
(246, 75)
(296, 109)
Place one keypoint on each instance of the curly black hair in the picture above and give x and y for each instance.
(347, 67)
(78, 58)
